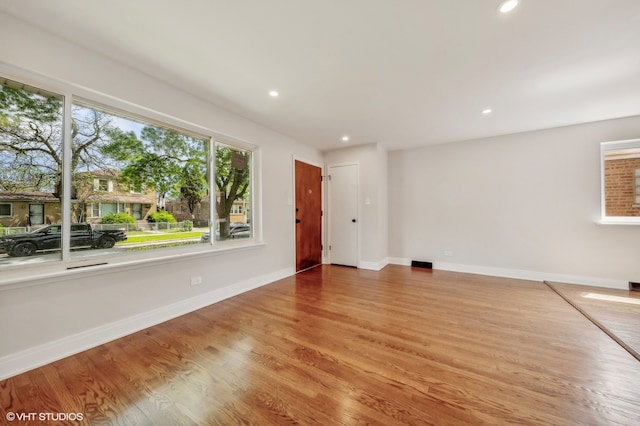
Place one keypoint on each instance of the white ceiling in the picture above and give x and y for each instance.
(400, 72)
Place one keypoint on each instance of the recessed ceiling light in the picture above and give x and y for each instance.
(345, 138)
(274, 94)
(507, 6)
(487, 111)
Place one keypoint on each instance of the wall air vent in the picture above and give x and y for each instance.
(419, 264)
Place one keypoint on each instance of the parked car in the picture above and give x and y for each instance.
(48, 238)
(243, 231)
(236, 230)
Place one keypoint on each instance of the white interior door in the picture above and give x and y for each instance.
(343, 214)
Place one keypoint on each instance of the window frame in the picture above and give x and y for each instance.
(98, 187)
(134, 191)
(605, 147)
(95, 207)
(256, 225)
(10, 204)
(72, 94)
(120, 208)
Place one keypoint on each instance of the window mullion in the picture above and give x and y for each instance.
(213, 214)
(66, 178)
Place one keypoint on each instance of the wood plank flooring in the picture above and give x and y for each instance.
(617, 311)
(336, 345)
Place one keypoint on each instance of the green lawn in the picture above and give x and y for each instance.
(142, 238)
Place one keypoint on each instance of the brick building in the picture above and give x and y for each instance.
(622, 184)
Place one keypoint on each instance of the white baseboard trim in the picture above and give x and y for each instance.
(399, 261)
(37, 356)
(521, 274)
(373, 266)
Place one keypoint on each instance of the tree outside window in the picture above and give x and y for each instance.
(171, 163)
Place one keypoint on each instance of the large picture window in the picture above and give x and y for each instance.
(137, 184)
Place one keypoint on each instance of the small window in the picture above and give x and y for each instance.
(621, 181)
(102, 185)
(6, 210)
(233, 186)
(136, 188)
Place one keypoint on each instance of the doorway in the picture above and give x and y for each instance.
(343, 214)
(308, 209)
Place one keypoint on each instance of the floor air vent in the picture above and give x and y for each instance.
(419, 264)
(634, 286)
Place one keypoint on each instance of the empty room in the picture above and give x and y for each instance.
(320, 212)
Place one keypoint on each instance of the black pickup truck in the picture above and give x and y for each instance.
(48, 238)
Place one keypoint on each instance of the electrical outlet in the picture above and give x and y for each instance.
(448, 252)
(196, 280)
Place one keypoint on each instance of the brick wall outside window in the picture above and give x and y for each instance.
(621, 187)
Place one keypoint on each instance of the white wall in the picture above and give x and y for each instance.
(58, 316)
(372, 203)
(523, 205)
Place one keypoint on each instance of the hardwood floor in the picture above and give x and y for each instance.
(616, 312)
(337, 345)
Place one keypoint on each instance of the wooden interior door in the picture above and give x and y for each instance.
(308, 206)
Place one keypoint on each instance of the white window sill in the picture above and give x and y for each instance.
(620, 221)
(50, 272)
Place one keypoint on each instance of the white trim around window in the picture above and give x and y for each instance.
(66, 263)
